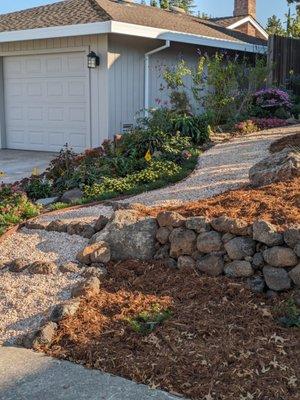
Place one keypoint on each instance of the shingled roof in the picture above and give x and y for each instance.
(72, 12)
(227, 21)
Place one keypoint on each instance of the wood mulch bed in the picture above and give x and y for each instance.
(278, 203)
(221, 342)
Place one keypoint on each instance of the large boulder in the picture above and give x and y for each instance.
(42, 268)
(276, 278)
(240, 247)
(280, 166)
(186, 262)
(280, 257)
(183, 242)
(209, 242)
(211, 264)
(266, 233)
(129, 235)
(80, 228)
(163, 234)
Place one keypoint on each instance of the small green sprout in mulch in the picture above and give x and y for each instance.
(290, 314)
(146, 321)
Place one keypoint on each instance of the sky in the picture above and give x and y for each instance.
(215, 8)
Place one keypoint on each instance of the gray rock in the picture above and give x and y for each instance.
(69, 267)
(227, 236)
(162, 252)
(240, 247)
(67, 309)
(42, 268)
(186, 262)
(95, 271)
(211, 265)
(42, 337)
(258, 260)
(101, 223)
(37, 224)
(238, 269)
(71, 196)
(170, 218)
(129, 236)
(292, 236)
(198, 224)
(294, 274)
(297, 250)
(266, 233)
(183, 242)
(170, 263)
(47, 201)
(95, 253)
(81, 229)
(280, 166)
(276, 278)
(162, 235)
(18, 265)
(89, 287)
(280, 257)
(57, 226)
(256, 284)
(271, 294)
(231, 225)
(209, 242)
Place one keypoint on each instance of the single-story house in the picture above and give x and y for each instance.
(50, 95)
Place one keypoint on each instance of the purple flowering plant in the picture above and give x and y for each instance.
(272, 99)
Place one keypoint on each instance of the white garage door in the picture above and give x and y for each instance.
(47, 101)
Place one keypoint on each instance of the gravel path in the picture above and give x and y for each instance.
(223, 167)
(25, 298)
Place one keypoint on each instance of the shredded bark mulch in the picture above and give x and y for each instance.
(278, 203)
(286, 141)
(221, 341)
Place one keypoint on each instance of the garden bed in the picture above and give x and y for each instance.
(217, 340)
(278, 203)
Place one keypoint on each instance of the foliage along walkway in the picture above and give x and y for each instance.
(223, 167)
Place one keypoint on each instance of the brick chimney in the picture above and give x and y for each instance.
(244, 7)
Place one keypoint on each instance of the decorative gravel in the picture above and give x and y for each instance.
(33, 245)
(25, 299)
(84, 214)
(223, 167)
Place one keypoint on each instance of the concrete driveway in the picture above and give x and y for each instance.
(19, 164)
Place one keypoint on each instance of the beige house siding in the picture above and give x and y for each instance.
(126, 62)
(98, 77)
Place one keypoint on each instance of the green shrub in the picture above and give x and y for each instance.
(38, 188)
(155, 171)
(146, 321)
(14, 207)
(195, 127)
(290, 314)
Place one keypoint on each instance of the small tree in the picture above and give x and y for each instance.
(153, 3)
(187, 5)
(164, 4)
(274, 26)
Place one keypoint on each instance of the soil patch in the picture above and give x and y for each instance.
(278, 203)
(221, 342)
(288, 141)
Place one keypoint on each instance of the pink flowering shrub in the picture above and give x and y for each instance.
(258, 124)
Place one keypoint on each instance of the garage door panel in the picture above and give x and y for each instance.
(47, 102)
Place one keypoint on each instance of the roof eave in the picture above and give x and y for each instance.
(131, 30)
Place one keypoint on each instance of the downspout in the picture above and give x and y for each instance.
(147, 55)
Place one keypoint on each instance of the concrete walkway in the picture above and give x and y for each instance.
(19, 164)
(25, 375)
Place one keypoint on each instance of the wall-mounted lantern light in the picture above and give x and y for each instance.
(93, 60)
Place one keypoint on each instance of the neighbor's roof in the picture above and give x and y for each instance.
(227, 21)
(73, 12)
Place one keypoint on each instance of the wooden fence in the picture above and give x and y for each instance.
(284, 56)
